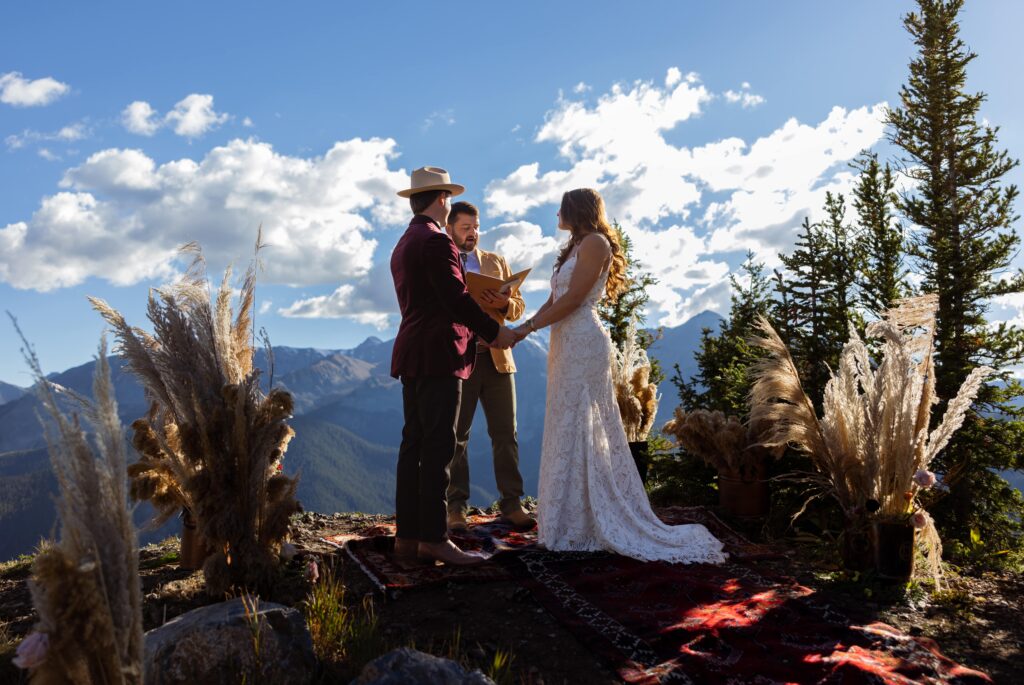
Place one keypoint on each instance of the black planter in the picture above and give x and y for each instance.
(743, 497)
(894, 550)
(855, 545)
(641, 457)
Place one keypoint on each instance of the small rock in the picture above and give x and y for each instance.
(403, 666)
(214, 644)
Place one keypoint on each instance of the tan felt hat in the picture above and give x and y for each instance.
(431, 178)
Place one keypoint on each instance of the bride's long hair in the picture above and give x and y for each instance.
(583, 211)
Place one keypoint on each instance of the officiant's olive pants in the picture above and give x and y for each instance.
(431, 408)
(497, 393)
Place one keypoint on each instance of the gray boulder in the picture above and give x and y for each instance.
(217, 644)
(407, 666)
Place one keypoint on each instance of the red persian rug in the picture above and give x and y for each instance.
(371, 551)
(371, 548)
(673, 623)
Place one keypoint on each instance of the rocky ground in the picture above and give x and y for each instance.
(977, 621)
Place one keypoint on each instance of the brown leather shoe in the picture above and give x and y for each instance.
(447, 553)
(457, 520)
(519, 518)
(405, 553)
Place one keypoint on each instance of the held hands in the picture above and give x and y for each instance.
(505, 339)
(522, 331)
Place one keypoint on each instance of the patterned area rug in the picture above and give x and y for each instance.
(672, 623)
(372, 552)
(371, 548)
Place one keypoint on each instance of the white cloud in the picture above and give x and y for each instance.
(70, 133)
(21, 92)
(48, 155)
(194, 115)
(342, 303)
(524, 246)
(744, 97)
(265, 306)
(66, 134)
(191, 117)
(369, 300)
(680, 261)
(122, 216)
(247, 122)
(581, 88)
(620, 139)
(140, 117)
(446, 117)
(681, 202)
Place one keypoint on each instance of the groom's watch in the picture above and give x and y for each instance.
(529, 322)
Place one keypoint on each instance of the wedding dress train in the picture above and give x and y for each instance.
(590, 494)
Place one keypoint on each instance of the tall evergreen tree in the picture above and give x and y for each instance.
(883, 270)
(629, 307)
(817, 297)
(965, 241)
(806, 289)
(843, 262)
(723, 360)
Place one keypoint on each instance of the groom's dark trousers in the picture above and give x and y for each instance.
(434, 352)
(431, 407)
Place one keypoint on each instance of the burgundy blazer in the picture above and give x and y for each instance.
(439, 316)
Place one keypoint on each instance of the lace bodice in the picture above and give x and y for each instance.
(591, 496)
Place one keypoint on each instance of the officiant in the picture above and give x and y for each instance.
(492, 383)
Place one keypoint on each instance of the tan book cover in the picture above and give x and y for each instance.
(478, 283)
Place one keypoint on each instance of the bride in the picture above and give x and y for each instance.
(590, 494)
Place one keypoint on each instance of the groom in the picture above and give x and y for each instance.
(434, 352)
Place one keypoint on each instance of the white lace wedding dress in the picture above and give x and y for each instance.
(590, 494)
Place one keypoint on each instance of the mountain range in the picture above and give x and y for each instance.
(348, 421)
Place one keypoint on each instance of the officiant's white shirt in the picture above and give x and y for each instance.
(472, 263)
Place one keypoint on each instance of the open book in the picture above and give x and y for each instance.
(478, 283)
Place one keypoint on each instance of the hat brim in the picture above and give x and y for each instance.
(453, 188)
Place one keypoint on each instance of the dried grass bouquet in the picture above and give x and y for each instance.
(723, 442)
(212, 440)
(871, 446)
(636, 395)
(86, 587)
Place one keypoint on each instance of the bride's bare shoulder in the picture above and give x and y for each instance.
(595, 245)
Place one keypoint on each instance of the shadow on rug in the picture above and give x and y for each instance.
(672, 623)
(655, 622)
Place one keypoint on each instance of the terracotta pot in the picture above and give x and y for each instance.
(641, 458)
(193, 550)
(855, 546)
(743, 497)
(894, 550)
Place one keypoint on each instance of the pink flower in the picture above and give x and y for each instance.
(32, 651)
(924, 479)
(312, 571)
(919, 519)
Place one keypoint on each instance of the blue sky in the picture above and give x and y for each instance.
(130, 128)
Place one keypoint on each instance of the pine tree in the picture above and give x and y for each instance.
(883, 272)
(965, 241)
(807, 290)
(817, 297)
(843, 263)
(723, 360)
(629, 307)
